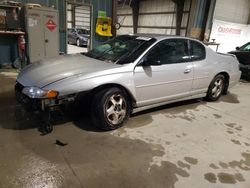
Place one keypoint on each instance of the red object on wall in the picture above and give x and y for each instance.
(21, 42)
(51, 25)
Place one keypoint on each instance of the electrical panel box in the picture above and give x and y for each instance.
(42, 29)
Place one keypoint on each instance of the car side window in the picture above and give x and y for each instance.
(247, 47)
(170, 51)
(198, 51)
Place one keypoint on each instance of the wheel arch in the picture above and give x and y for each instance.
(110, 85)
(227, 79)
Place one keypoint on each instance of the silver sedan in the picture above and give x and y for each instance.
(128, 74)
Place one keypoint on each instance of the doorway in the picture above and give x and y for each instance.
(78, 27)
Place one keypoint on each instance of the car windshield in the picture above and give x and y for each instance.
(245, 47)
(121, 50)
(83, 31)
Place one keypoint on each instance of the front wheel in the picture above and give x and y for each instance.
(110, 109)
(78, 42)
(216, 88)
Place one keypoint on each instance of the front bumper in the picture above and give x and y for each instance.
(32, 105)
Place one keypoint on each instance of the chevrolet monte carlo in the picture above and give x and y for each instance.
(128, 74)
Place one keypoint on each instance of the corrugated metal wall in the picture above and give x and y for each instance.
(232, 11)
(124, 17)
(155, 16)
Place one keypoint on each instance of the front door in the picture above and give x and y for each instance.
(171, 79)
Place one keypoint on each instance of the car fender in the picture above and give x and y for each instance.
(77, 84)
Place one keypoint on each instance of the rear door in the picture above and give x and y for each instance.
(168, 81)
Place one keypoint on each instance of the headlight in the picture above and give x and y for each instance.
(35, 92)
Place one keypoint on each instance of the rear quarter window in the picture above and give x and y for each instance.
(198, 51)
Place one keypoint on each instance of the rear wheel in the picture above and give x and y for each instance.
(216, 88)
(110, 109)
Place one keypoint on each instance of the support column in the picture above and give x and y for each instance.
(200, 15)
(135, 5)
(103, 5)
(205, 19)
(179, 15)
(209, 20)
(114, 17)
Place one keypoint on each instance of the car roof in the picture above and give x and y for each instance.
(161, 36)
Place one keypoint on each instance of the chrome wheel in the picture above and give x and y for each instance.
(217, 87)
(115, 109)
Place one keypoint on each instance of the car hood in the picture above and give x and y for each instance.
(44, 72)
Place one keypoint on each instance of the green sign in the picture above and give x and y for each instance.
(102, 13)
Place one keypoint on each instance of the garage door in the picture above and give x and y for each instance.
(82, 16)
(78, 16)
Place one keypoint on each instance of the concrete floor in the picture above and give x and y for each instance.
(193, 144)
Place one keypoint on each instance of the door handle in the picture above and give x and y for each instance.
(46, 41)
(186, 71)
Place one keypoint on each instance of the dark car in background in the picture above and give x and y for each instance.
(243, 55)
(78, 36)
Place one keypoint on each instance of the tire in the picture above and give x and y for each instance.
(216, 88)
(78, 43)
(110, 109)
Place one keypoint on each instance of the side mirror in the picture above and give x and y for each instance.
(237, 48)
(151, 62)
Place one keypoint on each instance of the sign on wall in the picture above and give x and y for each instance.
(229, 35)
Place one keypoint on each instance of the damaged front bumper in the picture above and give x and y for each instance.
(43, 104)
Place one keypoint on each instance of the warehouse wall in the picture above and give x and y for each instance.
(236, 11)
(155, 16)
(124, 14)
